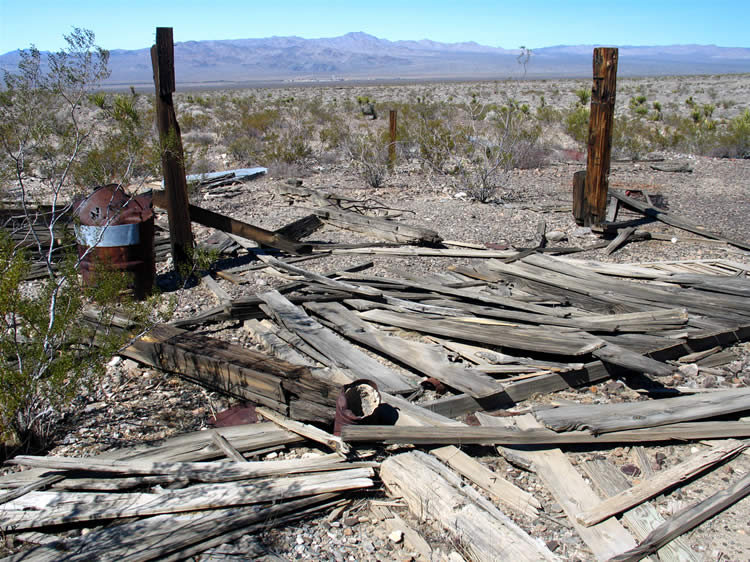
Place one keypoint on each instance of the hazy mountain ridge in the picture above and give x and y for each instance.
(360, 56)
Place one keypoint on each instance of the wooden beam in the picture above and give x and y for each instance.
(172, 157)
(236, 227)
(656, 484)
(685, 520)
(640, 520)
(677, 222)
(432, 491)
(468, 435)
(601, 123)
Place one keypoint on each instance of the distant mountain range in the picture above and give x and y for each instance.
(363, 57)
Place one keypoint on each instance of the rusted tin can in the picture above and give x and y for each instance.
(357, 404)
(119, 230)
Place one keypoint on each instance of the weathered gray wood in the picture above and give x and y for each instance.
(642, 519)
(221, 442)
(155, 538)
(381, 228)
(218, 471)
(672, 220)
(333, 347)
(36, 485)
(535, 339)
(573, 494)
(622, 357)
(687, 519)
(425, 358)
(616, 417)
(498, 487)
(39, 509)
(266, 336)
(306, 430)
(619, 240)
(660, 482)
(432, 491)
(467, 435)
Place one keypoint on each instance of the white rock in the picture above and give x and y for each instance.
(115, 361)
(556, 236)
(396, 536)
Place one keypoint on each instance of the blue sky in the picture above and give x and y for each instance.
(534, 23)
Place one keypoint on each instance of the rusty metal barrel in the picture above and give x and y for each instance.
(117, 231)
(357, 404)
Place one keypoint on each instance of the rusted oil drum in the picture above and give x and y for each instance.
(357, 404)
(120, 229)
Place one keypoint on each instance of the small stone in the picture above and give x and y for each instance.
(618, 452)
(396, 536)
(556, 236)
(689, 370)
(348, 532)
(709, 381)
(300, 540)
(271, 456)
(630, 470)
(553, 545)
(116, 360)
(351, 521)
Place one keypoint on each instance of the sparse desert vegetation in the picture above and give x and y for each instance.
(483, 163)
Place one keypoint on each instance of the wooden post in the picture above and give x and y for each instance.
(392, 145)
(579, 188)
(172, 159)
(600, 135)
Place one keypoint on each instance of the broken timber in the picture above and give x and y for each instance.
(233, 226)
(484, 531)
(377, 227)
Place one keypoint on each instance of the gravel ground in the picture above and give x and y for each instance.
(133, 404)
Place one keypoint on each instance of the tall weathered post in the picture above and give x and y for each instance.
(392, 145)
(600, 135)
(172, 159)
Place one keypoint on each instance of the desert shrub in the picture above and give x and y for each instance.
(734, 142)
(47, 350)
(432, 131)
(495, 147)
(369, 154)
(584, 95)
(126, 145)
(577, 123)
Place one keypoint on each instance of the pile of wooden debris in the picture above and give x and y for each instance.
(516, 324)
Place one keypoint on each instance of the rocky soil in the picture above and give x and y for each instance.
(133, 404)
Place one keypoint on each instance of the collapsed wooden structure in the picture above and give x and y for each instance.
(512, 325)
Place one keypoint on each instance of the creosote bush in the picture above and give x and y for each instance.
(47, 138)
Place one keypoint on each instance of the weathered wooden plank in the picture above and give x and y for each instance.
(642, 519)
(218, 471)
(533, 339)
(333, 347)
(161, 536)
(616, 417)
(305, 430)
(425, 358)
(222, 443)
(384, 229)
(229, 225)
(433, 491)
(660, 482)
(672, 220)
(687, 519)
(493, 483)
(468, 435)
(573, 494)
(29, 511)
(601, 125)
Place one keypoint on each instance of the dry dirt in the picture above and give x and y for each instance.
(134, 404)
